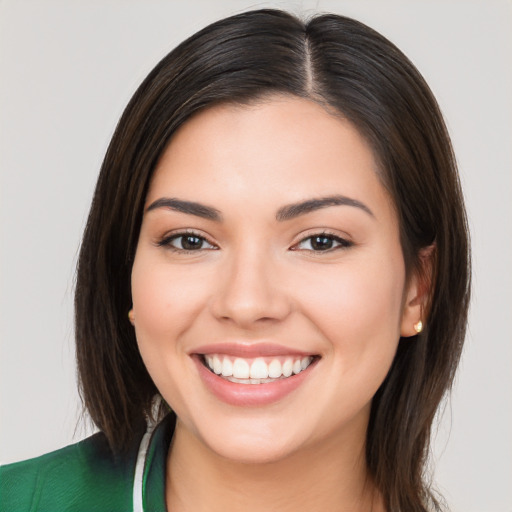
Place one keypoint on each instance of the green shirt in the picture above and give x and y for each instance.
(87, 477)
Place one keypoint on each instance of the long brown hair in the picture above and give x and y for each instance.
(348, 68)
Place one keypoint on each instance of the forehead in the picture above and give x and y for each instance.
(277, 147)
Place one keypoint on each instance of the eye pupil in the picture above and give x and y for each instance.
(321, 243)
(191, 242)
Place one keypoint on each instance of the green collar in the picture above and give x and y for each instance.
(153, 480)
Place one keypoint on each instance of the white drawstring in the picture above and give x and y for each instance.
(139, 470)
(138, 504)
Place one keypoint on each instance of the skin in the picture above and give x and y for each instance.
(257, 279)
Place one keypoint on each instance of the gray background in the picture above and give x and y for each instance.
(67, 70)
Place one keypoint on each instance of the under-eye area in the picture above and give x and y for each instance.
(259, 370)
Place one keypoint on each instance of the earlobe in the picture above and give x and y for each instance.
(418, 294)
(131, 316)
(412, 315)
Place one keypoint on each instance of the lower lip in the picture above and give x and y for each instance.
(245, 395)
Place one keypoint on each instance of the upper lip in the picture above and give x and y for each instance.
(251, 350)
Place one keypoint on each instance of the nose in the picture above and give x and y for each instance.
(251, 291)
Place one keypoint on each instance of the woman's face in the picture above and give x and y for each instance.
(269, 289)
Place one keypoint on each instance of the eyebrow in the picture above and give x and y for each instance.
(189, 207)
(295, 210)
(284, 213)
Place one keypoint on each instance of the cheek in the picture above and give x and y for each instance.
(164, 297)
(357, 311)
(166, 302)
(358, 306)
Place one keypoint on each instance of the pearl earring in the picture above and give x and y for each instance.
(131, 316)
(418, 327)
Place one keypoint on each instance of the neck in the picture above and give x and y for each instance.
(330, 477)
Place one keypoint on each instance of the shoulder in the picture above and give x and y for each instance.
(85, 476)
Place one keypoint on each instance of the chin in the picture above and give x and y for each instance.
(250, 441)
(253, 451)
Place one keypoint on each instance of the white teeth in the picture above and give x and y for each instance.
(227, 367)
(217, 365)
(249, 381)
(259, 369)
(258, 372)
(241, 369)
(275, 370)
(287, 368)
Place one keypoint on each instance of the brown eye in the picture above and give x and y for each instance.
(322, 242)
(190, 242)
(187, 242)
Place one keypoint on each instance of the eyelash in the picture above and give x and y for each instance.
(167, 242)
(343, 243)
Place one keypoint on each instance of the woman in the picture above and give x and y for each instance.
(277, 247)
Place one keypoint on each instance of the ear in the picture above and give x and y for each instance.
(417, 294)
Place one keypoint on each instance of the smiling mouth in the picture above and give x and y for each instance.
(259, 370)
